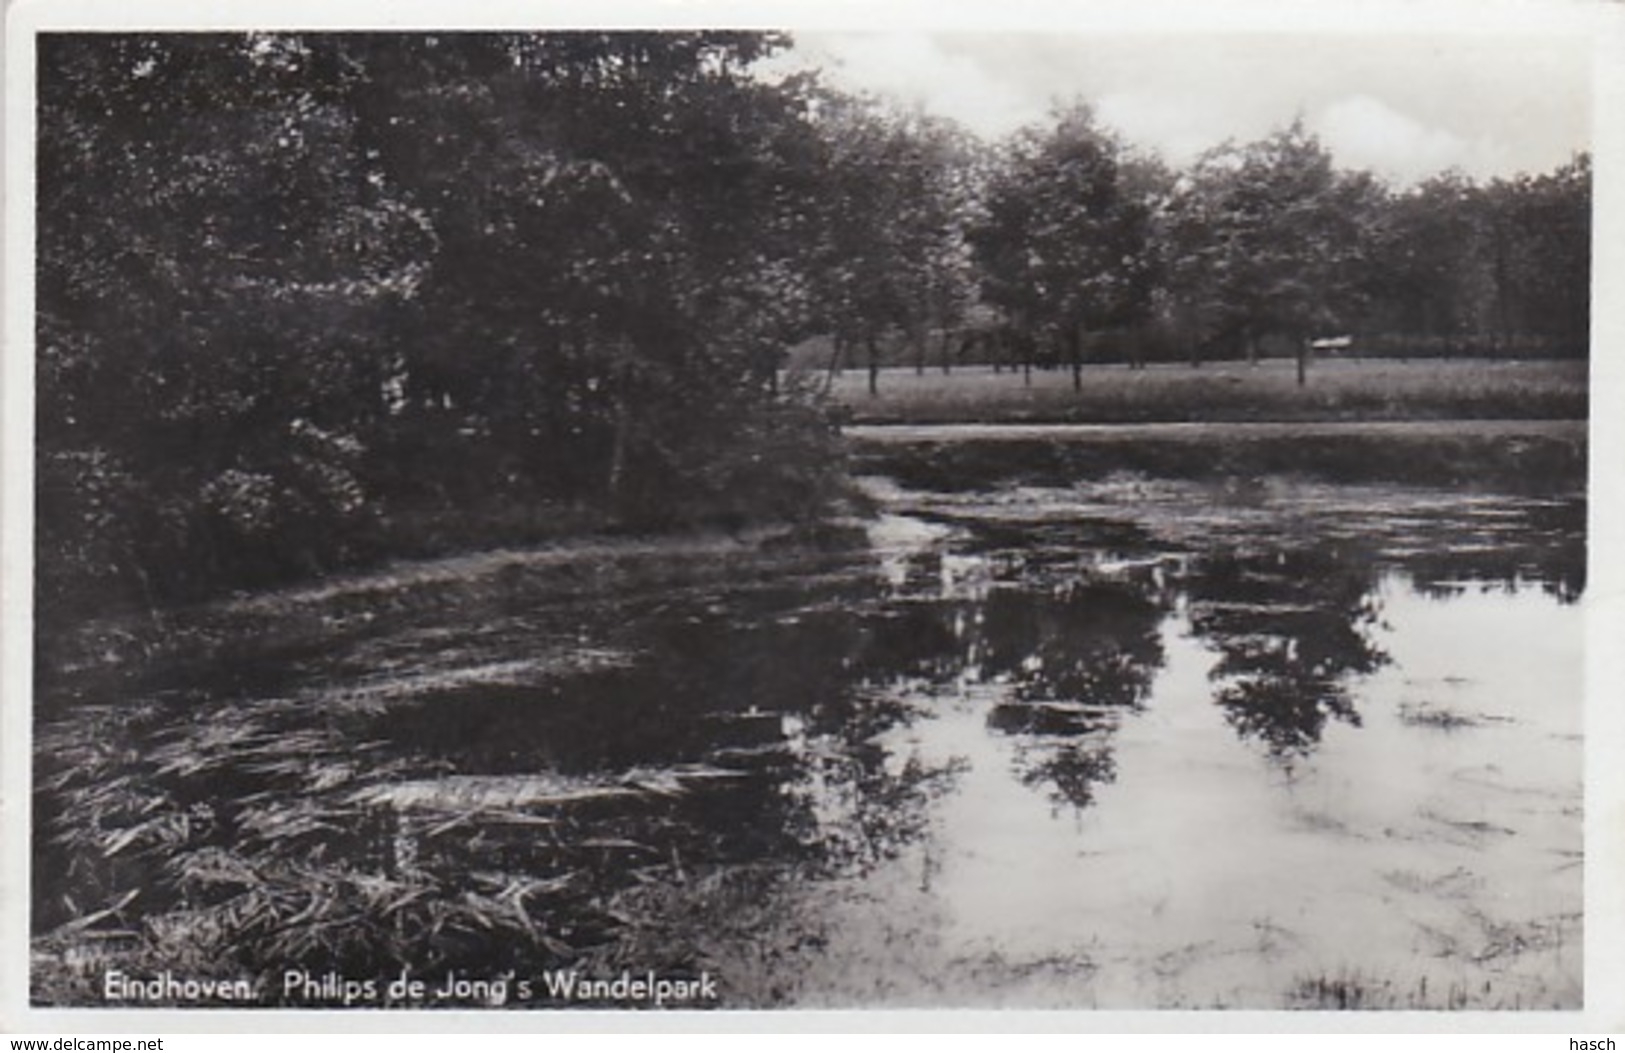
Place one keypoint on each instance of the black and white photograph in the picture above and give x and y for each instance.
(717, 517)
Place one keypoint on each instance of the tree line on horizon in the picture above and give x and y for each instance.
(1069, 246)
(312, 300)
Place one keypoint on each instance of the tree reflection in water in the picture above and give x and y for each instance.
(1291, 629)
(1077, 658)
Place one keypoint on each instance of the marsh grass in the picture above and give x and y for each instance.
(280, 811)
(1355, 990)
(1514, 965)
(238, 841)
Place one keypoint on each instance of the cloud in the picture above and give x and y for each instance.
(914, 69)
(1365, 132)
(1405, 106)
(1179, 127)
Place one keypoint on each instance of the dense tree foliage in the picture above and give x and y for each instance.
(306, 300)
(1505, 265)
(297, 289)
(1268, 237)
(1065, 244)
(891, 260)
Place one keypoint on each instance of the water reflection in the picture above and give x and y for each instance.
(1070, 771)
(1539, 544)
(1076, 642)
(1292, 629)
(1074, 659)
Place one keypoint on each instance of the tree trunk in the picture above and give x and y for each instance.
(946, 349)
(1074, 350)
(1252, 349)
(874, 365)
(1303, 358)
(617, 456)
(154, 610)
(836, 355)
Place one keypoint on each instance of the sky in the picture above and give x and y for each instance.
(1404, 106)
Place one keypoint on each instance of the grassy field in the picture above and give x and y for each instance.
(1337, 390)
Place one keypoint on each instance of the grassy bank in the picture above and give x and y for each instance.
(1513, 456)
(1336, 390)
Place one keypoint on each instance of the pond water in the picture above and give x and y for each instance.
(1125, 744)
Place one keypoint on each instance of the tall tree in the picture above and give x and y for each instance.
(1266, 237)
(890, 258)
(1065, 246)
